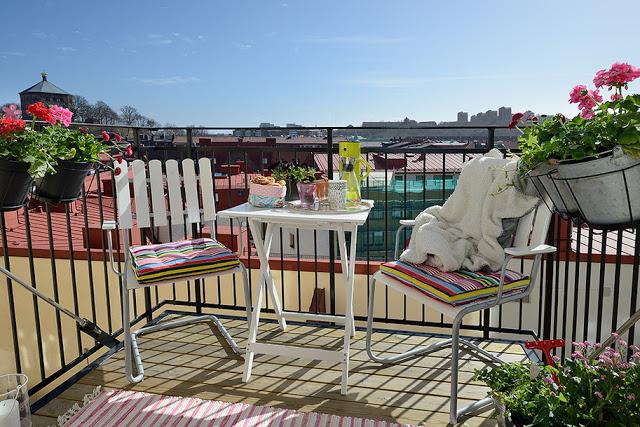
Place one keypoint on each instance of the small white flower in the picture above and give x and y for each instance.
(535, 370)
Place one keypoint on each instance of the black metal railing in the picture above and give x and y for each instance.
(584, 291)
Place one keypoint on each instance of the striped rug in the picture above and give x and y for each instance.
(130, 408)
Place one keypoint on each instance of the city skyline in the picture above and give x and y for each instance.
(314, 63)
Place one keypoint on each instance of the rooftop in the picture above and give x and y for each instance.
(45, 86)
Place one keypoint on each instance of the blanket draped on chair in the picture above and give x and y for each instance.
(464, 232)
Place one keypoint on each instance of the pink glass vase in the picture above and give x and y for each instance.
(307, 193)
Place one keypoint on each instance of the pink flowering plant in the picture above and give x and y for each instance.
(42, 147)
(601, 125)
(589, 391)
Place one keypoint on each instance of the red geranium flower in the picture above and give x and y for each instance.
(129, 150)
(117, 136)
(10, 125)
(105, 135)
(515, 119)
(41, 112)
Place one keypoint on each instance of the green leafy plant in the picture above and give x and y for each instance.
(598, 128)
(588, 392)
(280, 171)
(302, 174)
(292, 172)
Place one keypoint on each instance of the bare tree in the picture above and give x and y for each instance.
(105, 114)
(128, 115)
(82, 110)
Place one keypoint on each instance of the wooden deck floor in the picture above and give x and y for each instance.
(191, 361)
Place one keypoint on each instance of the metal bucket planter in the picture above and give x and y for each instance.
(541, 179)
(603, 192)
(15, 183)
(65, 185)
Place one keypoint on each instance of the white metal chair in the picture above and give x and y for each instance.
(528, 240)
(197, 207)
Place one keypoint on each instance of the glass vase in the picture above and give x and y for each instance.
(14, 401)
(307, 193)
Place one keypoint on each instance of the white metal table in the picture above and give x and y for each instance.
(296, 218)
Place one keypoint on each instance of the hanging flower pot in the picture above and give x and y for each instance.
(15, 182)
(589, 166)
(603, 192)
(65, 185)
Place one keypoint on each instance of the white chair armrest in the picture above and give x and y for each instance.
(404, 223)
(109, 225)
(521, 251)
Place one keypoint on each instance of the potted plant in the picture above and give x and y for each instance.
(72, 153)
(589, 166)
(583, 391)
(304, 177)
(19, 160)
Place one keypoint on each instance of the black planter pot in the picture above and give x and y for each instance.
(15, 183)
(292, 191)
(65, 185)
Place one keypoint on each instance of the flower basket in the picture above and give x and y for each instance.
(267, 196)
(15, 182)
(65, 185)
(603, 192)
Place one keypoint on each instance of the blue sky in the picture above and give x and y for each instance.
(240, 62)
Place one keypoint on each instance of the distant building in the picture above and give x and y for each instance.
(504, 115)
(44, 91)
(463, 117)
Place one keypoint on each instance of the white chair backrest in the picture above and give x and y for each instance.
(196, 207)
(533, 227)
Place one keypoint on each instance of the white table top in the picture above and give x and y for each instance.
(292, 216)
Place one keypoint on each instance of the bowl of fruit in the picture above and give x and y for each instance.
(266, 192)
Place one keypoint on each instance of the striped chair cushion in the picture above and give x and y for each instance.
(153, 263)
(454, 288)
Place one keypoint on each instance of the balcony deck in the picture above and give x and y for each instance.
(190, 361)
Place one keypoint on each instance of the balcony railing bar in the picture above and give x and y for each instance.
(634, 289)
(74, 283)
(601, 287)
(34, 299)
(54, 280)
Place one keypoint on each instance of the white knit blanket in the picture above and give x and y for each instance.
(463, 233)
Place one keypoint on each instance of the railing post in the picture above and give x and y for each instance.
(10, 299)
(189, 143)
(548, 284)
(332, 236)
(491, 138)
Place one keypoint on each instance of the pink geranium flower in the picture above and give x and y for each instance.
(11, 112)
(620, 74)
(61, 114)
(586, 99)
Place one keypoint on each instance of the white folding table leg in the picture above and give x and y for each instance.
(255, 316)
(348, 275)
(344, 262)
(263, 254)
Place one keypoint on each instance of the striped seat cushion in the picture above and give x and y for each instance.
(153, 263)
(453, 287)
